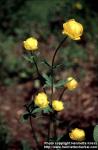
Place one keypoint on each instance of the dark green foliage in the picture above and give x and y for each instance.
(4, 135)
(17, 17)
(20, 19)
(25, 145)
(95, 133)
(9, 14)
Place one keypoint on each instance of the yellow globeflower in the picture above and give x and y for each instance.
(78, 5)
(41, 100)
(57, 105)
(73, 29)
(77, 134)
(30, 44)
(71, 83)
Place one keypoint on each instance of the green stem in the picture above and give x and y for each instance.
(33, 132)
(53, 59)
(36, 66)
(55, 127)
(52, 74)
(49, 128)
(35, 63)
(62, 93)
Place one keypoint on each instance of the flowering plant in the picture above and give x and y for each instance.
(43, 102)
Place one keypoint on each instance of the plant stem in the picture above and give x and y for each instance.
(62, 93)
(36, 66)
(55, 127)
(49, 128)
(33, 132)
(55, 131)
(53, 59)
(52, 74)
(35, 63)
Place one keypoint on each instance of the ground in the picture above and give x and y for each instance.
(80, 105)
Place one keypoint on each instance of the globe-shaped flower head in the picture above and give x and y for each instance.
(73, 29)
(30, 44)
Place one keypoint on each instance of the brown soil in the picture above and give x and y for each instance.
(80, 105)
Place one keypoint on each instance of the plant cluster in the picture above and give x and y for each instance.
(42, 102)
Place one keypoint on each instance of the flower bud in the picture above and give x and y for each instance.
(57, 105)
(71, 83)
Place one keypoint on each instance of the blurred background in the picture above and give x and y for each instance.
(43, 20)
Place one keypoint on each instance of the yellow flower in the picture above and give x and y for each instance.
(57, 105)
(41, 100)
(71, 83)
(30, 44)
(78, 5)
(73, 29)
(77, 134)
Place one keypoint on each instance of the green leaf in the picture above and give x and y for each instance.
(46, 77)
(69, 65)
(47, 110)
(48, 80)
(61, 137)
(48, 84)
(58, 66)
(46, 63)
(28, 58)
(95, 133)
(36, 110)
(60, 83)
(24, 118)
(25, 146)
(51, 140)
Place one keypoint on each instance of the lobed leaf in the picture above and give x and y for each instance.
(36, 110)
(46, 63)
(95, 133)
(60, 83)
(48, 109)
